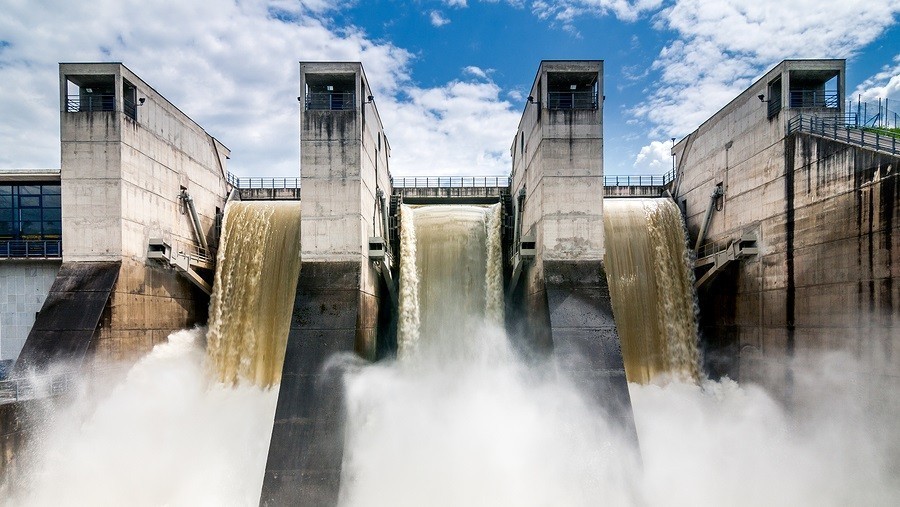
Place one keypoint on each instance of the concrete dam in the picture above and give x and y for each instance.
(720, 334)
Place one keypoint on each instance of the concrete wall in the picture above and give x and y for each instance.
(24, 286)
(557, 159)
(823, 213)
(560, 163)
(343, 164)
(562, 308)
(121, 178)
(740, 147)
(825, 277)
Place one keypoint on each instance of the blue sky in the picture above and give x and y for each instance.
(450, 75)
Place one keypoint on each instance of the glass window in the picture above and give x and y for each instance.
(52, 201)
(52, 229)
(30, 212)
(52, 214)
(30, 201)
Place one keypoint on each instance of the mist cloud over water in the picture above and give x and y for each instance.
(477, 428)
(164, 435)
(495, 431)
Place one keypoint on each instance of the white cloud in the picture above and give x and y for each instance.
(232, 66)
(476, 71)
(456, 3)
(565, 11)
(723, 45)
(654, 158)
(462, 128)
(438, 19)
(883, 85)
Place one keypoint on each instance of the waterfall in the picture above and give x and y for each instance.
(451, 275)
(651, 285)
(253, 292)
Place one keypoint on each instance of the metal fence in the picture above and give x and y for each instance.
(656, 180)
(330, 101)
(18, 389)
(846, 133)
(572, 100)
(81, 103)
(267, 182)
(450, 182)
(31, 249)
(813, 98)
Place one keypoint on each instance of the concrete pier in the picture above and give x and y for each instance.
(345, 183)
(562, 305)
(128, 154)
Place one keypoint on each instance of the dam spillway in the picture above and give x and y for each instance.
(451, 273)
(254, 289)
(651, 284)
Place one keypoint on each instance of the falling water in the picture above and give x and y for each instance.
(651, 285)
(456, 249)
(255, 284)
(459, 419)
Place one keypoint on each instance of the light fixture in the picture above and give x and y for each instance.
(141, 101)
(572, 87)
(89, 90)
(369, 99)
(762, 98)
(329, 88)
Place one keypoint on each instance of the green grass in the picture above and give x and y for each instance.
(894, 132)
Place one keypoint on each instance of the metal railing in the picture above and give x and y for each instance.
(572, 100)
(845, 133)
(813, 98)
(30, 249)
(272, 182)
(450, 182)
(330, 101)
(17, 389)
(657, 180)
(82, 103)
(774, 105)
(130, 108)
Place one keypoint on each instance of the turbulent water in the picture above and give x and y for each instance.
(651, 284)
(469, 423)
(458, 419)
(165, 434)
(253, 294)
(451, 273)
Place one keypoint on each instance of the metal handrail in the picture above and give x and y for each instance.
(450, 181)
(330, 101)
(30, 249)
(244, 183)
(89, 103)
(48, 385)
(130, 108)
(845, 133)
(657, 180)
(572, 100)
(813, 98)
(18, 389)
